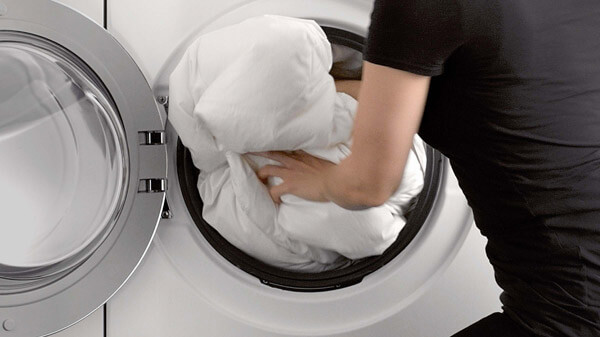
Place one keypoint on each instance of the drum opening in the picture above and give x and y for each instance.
(350, 45)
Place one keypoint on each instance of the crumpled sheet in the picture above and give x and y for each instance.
(261, 85)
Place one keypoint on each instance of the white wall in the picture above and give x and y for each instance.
(151, 29)
(94, 9)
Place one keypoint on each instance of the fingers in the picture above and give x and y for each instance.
(277, 191)
(277, 171)
(297, 166)
(285, 158)
(272, 171)
(306, 158)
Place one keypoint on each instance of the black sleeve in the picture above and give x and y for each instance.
(414, 35)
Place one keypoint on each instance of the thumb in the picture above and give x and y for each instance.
(277, 191)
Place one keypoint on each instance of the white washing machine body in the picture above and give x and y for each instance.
(438, 283)
(185, 286)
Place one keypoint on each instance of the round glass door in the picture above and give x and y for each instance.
(64, 161)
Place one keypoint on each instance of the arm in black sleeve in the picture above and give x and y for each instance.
(414, 35)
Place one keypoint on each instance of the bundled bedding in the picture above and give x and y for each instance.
(262, 85)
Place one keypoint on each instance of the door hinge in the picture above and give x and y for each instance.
(152, 185)
(152, 137)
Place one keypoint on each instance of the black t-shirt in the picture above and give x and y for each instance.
(514, 104)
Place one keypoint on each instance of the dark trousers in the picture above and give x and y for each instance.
(495, 325)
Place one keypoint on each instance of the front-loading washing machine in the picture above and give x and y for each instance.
(87, 141)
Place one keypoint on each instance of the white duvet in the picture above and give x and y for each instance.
(260, 85)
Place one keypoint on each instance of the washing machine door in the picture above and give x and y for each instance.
(82, 168)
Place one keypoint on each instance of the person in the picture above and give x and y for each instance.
(509, 91)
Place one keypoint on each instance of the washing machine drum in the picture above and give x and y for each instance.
(82, 171)
(347, 55)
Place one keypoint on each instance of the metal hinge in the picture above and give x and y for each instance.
(152, 137)
(152, 185)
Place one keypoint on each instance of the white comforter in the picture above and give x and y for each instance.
(260, 85)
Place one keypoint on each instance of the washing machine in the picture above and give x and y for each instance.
(103, 233)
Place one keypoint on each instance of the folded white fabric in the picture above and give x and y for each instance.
(261, 85)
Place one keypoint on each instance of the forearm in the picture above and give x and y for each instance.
(389, 113)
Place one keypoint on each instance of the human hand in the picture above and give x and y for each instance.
(303, 175)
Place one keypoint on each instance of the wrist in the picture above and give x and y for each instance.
(343, 185)
(326, 184)
(338, 188)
